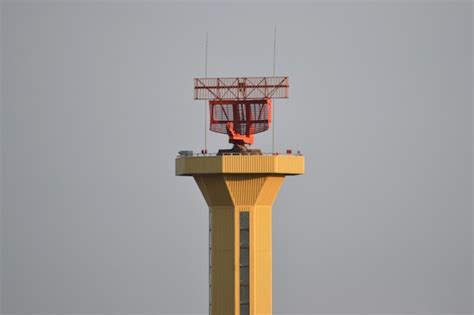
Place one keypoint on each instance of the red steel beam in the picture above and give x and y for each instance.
(244, 88)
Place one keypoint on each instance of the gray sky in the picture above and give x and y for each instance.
(97, 100)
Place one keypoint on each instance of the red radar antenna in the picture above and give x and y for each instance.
(240, 107)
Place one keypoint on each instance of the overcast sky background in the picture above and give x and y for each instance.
(97, 100)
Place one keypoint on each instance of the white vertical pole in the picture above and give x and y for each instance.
(205, 102)
(273, 109)
(209, 290)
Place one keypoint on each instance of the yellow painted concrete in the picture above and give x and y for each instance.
(223, 260)
(240, 164)
(231, 184)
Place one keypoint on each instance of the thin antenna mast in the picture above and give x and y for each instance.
(273, 111)
(205, 103)
(210, 215)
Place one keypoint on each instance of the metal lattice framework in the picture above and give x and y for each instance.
(240, 88)
(248, 117)
(240, 107)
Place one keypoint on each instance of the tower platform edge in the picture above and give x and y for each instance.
(240, 164)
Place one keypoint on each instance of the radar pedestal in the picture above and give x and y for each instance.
(240, 191)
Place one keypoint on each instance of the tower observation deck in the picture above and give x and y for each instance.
(239, 186)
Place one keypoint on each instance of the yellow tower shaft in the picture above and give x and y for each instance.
(240, 191)
(227, 197)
